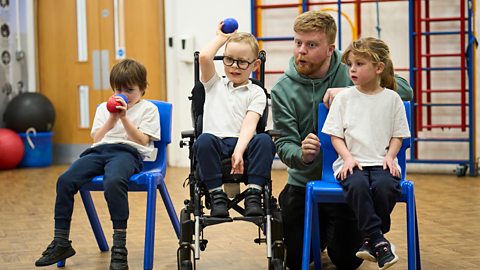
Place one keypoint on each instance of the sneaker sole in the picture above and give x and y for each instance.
(364, 255)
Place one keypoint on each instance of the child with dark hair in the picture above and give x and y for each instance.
(121, 140)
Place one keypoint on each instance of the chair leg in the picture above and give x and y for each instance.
(150, 224)
(94, 221)
(167, 201)
(316, 245)
(412, 231)
(307, 232)
(417, 242)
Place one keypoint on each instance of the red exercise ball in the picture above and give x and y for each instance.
(11, 149)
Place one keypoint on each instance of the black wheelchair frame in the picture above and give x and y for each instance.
(191, 229)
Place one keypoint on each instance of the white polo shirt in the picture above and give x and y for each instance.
(226, 106)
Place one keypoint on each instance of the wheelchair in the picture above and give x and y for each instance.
(192, 218)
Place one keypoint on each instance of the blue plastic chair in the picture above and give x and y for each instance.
(328, 190)
(149, 179)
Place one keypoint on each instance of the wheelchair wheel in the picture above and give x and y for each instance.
(278, 248)
(275, 264)
(186, 265)
(184, 252)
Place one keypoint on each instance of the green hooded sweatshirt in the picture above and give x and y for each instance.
(294, 110)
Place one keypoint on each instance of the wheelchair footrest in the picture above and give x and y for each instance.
(208, 220)
(257, 220)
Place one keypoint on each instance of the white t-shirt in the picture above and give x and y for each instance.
(366, 123)
(226, 106)
(144, 115)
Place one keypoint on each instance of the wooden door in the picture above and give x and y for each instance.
(61, 74)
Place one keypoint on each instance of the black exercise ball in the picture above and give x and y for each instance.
(29, 110)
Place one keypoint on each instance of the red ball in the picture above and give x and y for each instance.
(112, 105)
(12, 149)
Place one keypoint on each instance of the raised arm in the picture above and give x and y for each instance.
(207, 67)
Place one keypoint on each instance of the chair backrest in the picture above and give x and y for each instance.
(329, 154)
(165, 111)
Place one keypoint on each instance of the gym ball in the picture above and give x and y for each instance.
(229, 25)
(11, 149)
(29, 110)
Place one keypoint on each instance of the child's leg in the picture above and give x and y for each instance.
(385, 192)
(259, 154)
(356, 189)
(209, 151)
(357, 193)
(124, 161)
(68, 184)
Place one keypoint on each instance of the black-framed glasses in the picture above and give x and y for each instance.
(241, 64)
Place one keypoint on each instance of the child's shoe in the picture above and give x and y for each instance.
(366, 251)
(118, 260)
(385, 253)
(219, 204)
(253, 202)
(55, 253)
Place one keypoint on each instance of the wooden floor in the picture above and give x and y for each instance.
(448, 211)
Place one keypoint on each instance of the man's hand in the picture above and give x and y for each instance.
(310, 148)
(330, 95)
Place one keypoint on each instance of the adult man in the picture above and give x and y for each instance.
(315, 74)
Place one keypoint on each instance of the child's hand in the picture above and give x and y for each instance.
(221, 33)
(389, 163)
(237, 163)
(123, 108)
(347, 167)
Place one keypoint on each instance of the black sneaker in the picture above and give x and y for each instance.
(119, 258)
(366, 251)
(385, 253)
(253, 202)
(219, 204)
(55, 253)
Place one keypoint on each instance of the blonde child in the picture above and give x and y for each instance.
(366, 123)
(232, 109)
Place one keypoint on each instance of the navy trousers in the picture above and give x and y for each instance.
(116, 162)
(210, 150)
(372, 194)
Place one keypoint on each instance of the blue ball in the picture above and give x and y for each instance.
(124, 97)
(229, 25)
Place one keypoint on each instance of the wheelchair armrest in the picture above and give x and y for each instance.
(188, 134)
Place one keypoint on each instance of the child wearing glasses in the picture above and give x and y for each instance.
(233, 106)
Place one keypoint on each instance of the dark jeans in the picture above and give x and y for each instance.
(372, 194)
(210, 150)
(339, 230)
(116, 162)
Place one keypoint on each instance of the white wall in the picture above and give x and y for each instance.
(197, 20)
